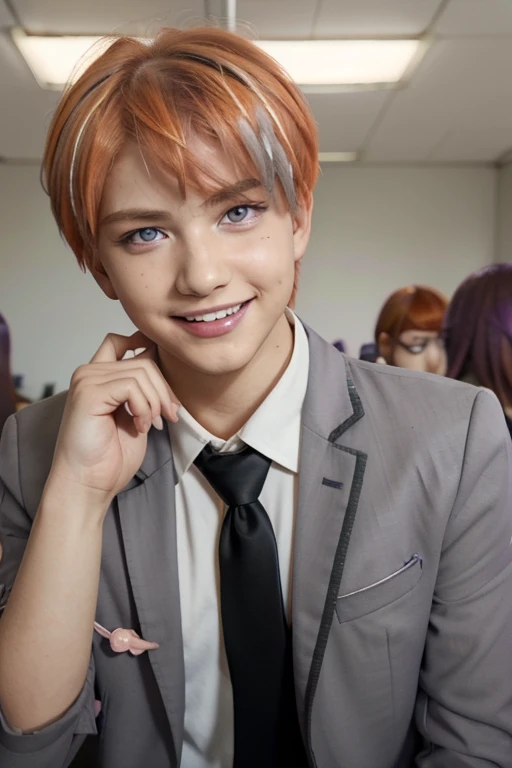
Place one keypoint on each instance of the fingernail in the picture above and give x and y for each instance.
(158, 423)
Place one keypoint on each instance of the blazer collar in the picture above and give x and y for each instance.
(158, 453)
(331, 477)
(331, 405)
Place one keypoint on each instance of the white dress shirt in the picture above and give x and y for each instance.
(274, 430)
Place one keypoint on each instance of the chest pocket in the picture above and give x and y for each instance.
(381, 593)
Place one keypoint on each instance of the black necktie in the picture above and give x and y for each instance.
(256, 634)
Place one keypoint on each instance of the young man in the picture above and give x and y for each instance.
(312, 564)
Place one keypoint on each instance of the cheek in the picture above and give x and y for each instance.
(268, 260)
(135, 284)
(440, 362)
(404, 359)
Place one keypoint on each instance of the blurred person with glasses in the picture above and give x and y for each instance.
(408, 333)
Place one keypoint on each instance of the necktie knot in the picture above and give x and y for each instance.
(238, 478)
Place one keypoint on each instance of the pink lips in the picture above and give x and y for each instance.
(216, 327)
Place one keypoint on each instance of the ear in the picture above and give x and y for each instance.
(100, 275)
(385, 347)
(301, 219)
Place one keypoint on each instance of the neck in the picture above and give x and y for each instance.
(222, 403)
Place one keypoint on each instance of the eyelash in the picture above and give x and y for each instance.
(128, 238)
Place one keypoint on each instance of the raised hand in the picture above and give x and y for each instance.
(111, 405)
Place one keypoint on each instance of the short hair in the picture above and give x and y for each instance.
(414, 307)
(204, 81)
(478, 330)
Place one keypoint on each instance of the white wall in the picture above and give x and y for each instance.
(504, 215)
(375, 229)
(380, 228)
(57, 315)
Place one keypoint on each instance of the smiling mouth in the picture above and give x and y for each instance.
(210, 317)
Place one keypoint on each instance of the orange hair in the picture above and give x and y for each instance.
(201, 81)
(412, 308)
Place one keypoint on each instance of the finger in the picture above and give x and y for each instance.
(170, 403)
(142, 374)
(168, 398)
(128, 390)
(115, 346)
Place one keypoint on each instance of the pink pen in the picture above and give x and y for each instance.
(125, 640)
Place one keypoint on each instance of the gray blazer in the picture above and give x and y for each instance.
(402, 584)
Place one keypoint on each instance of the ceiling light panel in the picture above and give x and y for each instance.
(343, 62)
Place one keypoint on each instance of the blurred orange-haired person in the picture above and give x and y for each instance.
(408, 332)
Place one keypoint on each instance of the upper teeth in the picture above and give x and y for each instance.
(214, 315)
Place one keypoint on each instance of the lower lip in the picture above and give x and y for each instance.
(215, 327)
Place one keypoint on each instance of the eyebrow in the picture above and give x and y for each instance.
(135, 214)
(143, 214)
(232, 191)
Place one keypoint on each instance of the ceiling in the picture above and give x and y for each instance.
(456, 107)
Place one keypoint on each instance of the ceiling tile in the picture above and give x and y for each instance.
(476, 18)
(344, 119)
(474, 144)
(273, 19)
(374, 17)
(461, 83)
(100, 17)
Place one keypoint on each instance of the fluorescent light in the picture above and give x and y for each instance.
(314, 64)
(337, 157)
(343, 62)
(53, 60)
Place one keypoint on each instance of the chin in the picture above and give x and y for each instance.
(216, 367)
(211, 360)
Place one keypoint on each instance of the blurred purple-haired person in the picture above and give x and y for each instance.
(478, 333)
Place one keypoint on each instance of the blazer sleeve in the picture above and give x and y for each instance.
(464, 706)
(55, 745)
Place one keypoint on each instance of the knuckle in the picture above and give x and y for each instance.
(140, 373)
(149, 363)
(78, 375)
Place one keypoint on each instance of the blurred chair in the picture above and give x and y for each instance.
(369, 352)
(48, 391)
(7, 393)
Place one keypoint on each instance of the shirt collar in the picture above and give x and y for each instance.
(273, 429)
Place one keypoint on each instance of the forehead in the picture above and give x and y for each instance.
(134, 177)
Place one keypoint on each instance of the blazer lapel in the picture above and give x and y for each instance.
(330, 480)
(148, 523)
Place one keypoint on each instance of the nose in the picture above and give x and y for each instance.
(202, 267)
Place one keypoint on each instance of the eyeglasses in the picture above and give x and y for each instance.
(421, 346)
